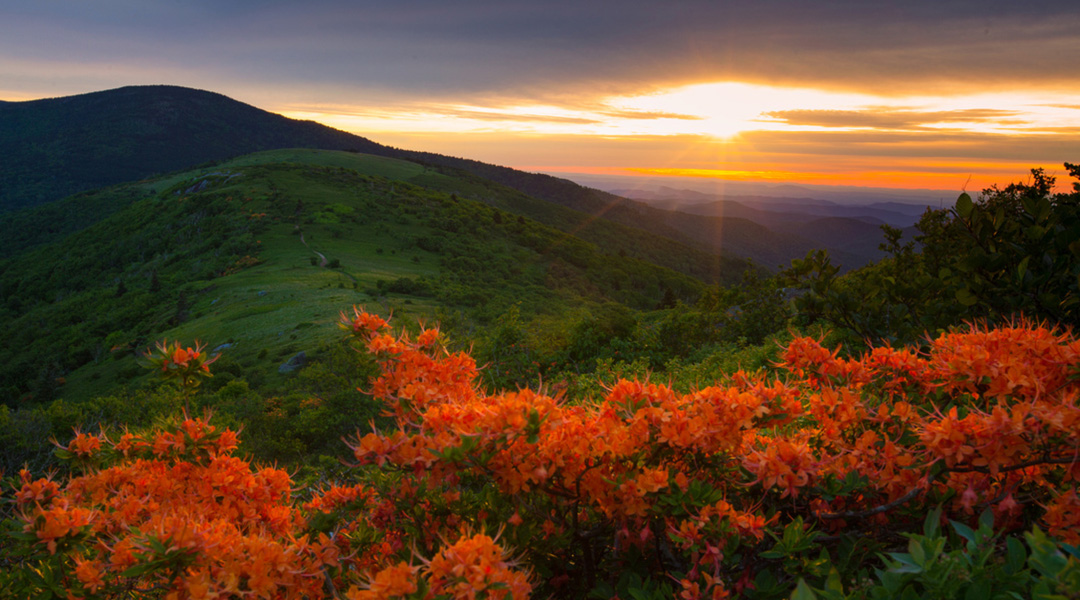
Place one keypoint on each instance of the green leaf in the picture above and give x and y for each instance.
(1021, 269)
(1015, 557)
(980, 590)
(911, 594)
(933, 520)
(1029, 205)
(964, 205)
(803, 592)
(965, 532)
(965, 297)
(1044, 210)
(918, 554)
(765, 580)
(138, 570)
(905, 564)
(999, 218)
(1044, 554)
(834, 583)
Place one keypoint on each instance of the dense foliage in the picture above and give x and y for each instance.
(1014, 251)
(110, 286)
(759, 486)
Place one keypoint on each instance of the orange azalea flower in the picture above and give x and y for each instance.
(89, 573)
(183, 364)
(41, 491)
(84, 444)
(427, 337)
(391, 582)
(474, 565)
(783, 463)
(362, 322)
(1062, 517)
(652, 480)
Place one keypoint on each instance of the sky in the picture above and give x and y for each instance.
(912, 94)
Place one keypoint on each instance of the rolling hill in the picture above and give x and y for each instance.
(57, 147)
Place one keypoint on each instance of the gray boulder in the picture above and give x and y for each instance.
(294, 363)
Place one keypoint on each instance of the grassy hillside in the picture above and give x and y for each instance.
(262, 252)
(26, 229)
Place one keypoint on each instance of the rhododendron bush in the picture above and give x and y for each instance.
(738, 489)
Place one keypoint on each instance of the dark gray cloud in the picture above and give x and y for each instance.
(555, 50)
(502, 117)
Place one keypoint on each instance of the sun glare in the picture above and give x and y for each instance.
(714, 130)
(726, 109)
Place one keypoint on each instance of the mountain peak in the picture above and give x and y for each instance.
(103, 138)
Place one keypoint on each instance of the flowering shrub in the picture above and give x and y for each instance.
(185, 366)
(177, 513)
(690, 486)
(746, 489)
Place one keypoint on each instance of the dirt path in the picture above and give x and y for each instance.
(322, 257)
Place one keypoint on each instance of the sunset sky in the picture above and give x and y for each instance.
(914, 94)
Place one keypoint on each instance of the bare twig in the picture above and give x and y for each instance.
(862, 514)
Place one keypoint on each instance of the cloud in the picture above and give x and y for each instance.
(560, 50)
(503, 116)
(930, 144)
(893, 119)
(649, 114)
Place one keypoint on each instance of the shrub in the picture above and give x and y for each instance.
(811, 483)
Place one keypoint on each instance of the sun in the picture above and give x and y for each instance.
(725, 109)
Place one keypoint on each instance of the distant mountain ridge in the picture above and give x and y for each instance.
(851, 233)
(770, 210)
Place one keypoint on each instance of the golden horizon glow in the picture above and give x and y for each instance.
(719, 127)
(897, 179)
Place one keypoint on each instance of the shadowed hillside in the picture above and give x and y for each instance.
(60, 146)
